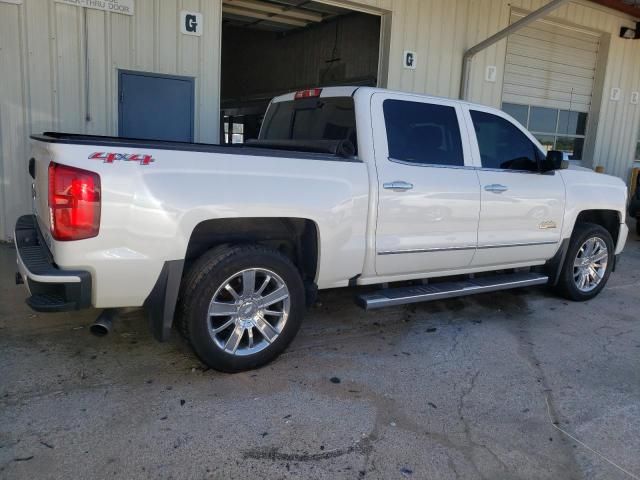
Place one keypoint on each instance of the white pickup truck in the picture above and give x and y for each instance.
(344, 187)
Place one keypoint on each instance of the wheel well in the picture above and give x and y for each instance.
(295, 237)
(609, 219)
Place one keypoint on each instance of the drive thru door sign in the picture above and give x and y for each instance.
(116, 6)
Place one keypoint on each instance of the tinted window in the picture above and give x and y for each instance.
(331, 118)
(423, 133)
(502, 144)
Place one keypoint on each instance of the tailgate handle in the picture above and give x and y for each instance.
(32, 167)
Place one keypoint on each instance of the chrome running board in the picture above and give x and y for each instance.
(389, 297)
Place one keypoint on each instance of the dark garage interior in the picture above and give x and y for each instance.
(291, 46)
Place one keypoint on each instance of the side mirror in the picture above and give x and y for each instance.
(554, 161)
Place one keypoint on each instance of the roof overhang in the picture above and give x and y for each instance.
(630, 7)
(278, 15)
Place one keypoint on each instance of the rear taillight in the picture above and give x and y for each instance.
(74, 202)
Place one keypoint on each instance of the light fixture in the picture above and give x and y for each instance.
(630, 33)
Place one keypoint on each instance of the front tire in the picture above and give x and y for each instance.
(588, 263)
(241, 306)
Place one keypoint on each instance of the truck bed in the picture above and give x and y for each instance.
(308, 150)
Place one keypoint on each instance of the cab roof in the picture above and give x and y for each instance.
(349, 91)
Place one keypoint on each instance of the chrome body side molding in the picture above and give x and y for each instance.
(464, 247)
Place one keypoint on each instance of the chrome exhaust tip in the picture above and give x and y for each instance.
(104, 323)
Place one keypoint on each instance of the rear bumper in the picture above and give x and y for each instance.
(50, 289)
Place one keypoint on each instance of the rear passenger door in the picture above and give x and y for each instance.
(428, 191)
(521, 207)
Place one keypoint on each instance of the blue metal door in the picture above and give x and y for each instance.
(155, 107)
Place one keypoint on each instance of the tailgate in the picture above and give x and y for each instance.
(38, 169)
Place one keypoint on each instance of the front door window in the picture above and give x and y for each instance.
(502, 145)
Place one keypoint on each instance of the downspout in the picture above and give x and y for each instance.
(87, 93)
(469, 54)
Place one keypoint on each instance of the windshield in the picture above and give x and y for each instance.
(331, 118)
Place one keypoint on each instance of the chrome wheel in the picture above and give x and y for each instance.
(248, 312)
(590, 264)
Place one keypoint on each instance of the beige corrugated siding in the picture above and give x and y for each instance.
(14, 196)
(42, 69)
(441, 36)
(42, 72)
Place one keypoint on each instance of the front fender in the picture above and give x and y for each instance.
(586, 190)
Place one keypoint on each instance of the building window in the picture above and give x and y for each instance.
(236, 135)
(555, 129)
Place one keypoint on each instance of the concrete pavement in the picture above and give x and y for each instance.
(464, 388)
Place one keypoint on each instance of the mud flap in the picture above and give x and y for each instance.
(160, 305)
(554, 266)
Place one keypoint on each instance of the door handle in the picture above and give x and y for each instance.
(398, 186)
(496, 188)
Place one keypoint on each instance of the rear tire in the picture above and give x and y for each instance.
(588, 263)
(241, 306)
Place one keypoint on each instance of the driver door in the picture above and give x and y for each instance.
(522, 208)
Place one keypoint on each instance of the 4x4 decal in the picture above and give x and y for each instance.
(110, 157)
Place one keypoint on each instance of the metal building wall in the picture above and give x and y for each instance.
(42, 68)
(617, 122)
(42, 75)
(441, 30)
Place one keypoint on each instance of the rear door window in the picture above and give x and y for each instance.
(423, 133)
(331, 118)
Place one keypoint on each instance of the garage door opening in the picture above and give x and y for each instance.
(551, 81)
(270, 47)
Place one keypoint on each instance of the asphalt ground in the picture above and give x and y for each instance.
(516, 384)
